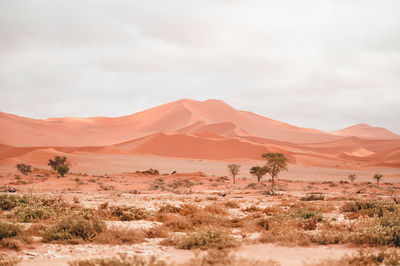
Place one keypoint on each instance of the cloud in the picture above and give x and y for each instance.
(322, 64)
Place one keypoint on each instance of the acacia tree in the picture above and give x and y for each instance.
(60, 165)
(276, 162)
(352, 177)
(234, 170)
(258, 171)
(377, 177)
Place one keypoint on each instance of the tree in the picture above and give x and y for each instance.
(377, 177)
(24, 168)
(258, 171)
(60, 165)
(276, 162)
(234, 170)
(352, 177)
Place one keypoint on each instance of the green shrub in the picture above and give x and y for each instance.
(9, 230)
(31, 213)
(81, 225)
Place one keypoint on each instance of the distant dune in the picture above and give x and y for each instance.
(209, 130)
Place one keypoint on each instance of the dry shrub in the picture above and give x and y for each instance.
(8, 230)
(11, 243)
(312, 197)
(216, 208)
(8, 261)
(232, 204)
(121, 260)
(116, 236)
(168, 208)
(285, 236)
(223, 257)
(175, 222)
(365, 257)
(206, 239)
(84, 225)
(252, 209)
(157, 231)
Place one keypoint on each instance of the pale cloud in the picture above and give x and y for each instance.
(323, 64)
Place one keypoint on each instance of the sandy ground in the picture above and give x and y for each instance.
(91, 193)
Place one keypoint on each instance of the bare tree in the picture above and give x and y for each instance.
(377, 177)
(234, 170)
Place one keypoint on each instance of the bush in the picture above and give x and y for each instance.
(122, 236)
(207, 238)
(85, 226)
(312, 197)
(122, 260)
(9, 230)
(24, 168)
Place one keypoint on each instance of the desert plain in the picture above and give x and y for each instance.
(153, 188)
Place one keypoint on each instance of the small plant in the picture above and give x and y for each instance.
(150, 171)
(85, 226)
(60, 165)
(352, 177)
(378, 177)
(9, 230)
(234, 170)
(24, 168)
(207, 238)
(312, 197)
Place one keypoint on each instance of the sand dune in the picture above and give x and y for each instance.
(184, 116)
(210, 130)
(366, 131)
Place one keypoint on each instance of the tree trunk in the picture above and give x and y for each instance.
(234, 179)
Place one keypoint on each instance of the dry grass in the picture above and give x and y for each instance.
(117, 236)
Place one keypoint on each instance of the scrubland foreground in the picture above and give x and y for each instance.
(144, 218)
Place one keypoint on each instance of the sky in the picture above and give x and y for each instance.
(324, 64)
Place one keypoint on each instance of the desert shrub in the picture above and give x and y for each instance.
(216, 209)
(175, 222)
(8, 261)
(158, 184)
(24, 168)
(157, 232)
(9, 230)
(232, 204)
(122, 260)
(312, 197)
(168, 208)
(31, 213)
(80, 225)
(150, 171)
(124, 213)
(369, 207)
(252, 208)
(207, 238)
(122, 236)
(365, 257)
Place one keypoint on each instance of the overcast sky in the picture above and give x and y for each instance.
(321, 64)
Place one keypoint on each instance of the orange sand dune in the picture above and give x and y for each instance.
(366, 131)
(191, 129)
(184, 116)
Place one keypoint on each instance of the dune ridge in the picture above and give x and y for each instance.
(210, 130)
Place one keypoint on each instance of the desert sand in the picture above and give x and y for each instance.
(194, 141)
